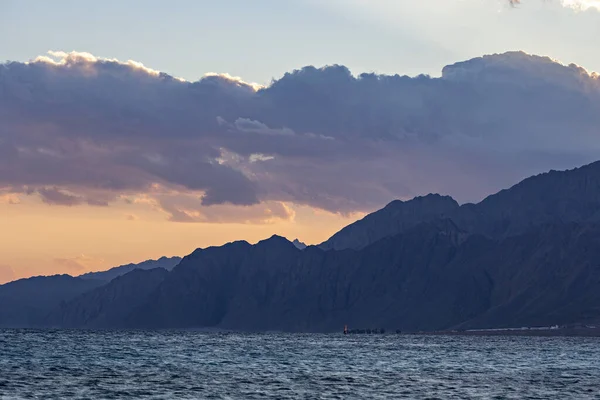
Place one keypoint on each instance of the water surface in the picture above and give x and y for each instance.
(193, 365)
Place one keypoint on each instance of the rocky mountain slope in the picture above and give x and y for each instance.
(108, 305)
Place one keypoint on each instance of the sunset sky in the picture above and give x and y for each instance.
(131, 131)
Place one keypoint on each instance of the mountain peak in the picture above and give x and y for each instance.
(275, 240)
(427, 199)
(299, 245)
(394, 218)
(276, 237)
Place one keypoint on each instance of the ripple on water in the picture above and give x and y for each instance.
(187, 365)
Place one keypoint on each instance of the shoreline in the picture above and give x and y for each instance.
(560, 332)
(531, 332)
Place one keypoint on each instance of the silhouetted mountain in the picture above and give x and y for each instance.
(433, 276)
(550, 275)
(109, 305)
(553, 197)
(167, 263)
(299, 245)
(26, 302)
(394, 218)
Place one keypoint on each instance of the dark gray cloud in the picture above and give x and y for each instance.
(57, 197)
(76, 129)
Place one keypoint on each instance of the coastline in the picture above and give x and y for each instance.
(559, 332)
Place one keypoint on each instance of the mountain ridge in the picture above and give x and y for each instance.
(386, 221)
(430, 277)
(491, 216)
(167, 263)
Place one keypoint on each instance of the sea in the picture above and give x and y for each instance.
(77, 364)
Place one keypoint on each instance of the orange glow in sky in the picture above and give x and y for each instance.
(40, 239)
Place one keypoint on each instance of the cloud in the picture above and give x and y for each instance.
(229, 80)
(7, 274)
(131, 217)
(9, 198)
(185, 208)
(579, 5)
(79, 264)
(77, 129)
(248, 125)
(259, 157)
(55, 196)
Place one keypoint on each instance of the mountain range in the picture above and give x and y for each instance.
(27, 302)
(526, 256)
(167, 263)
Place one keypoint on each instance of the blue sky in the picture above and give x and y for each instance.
(262, 39)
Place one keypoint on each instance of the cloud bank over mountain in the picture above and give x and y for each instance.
(77, 129)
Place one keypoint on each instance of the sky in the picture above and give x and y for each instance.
(135, 130)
